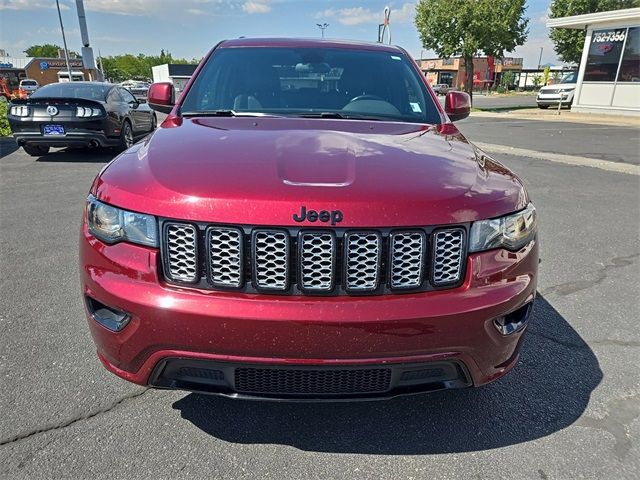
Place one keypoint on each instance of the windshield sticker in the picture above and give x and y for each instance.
(415, 107)
(393, 57)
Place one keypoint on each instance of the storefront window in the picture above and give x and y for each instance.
(630, 66)
(604, 55)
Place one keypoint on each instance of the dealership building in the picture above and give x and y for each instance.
(42, 70)
(609, 74)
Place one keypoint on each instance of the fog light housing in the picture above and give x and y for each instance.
(514, 321)
(109, 317)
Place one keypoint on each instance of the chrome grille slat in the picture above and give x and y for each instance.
(362, 261)
(407, 259)
(181, 250)
(271, 259)
(317, 261)
(225, 256)
(448, 256)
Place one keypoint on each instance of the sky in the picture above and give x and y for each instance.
(189, 28)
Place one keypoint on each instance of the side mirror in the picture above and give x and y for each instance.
(161, 97)
(457, 105)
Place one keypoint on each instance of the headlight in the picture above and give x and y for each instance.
(511, 232)
(20, 111)
(88, 112)
(111, 224)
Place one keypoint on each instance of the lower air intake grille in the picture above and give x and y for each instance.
(448, 255)
(312, 381)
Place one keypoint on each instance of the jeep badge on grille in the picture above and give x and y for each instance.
(335, 216)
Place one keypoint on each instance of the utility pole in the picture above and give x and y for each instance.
(322, 27)
(64, 41)
(88, 61)
(540, 59)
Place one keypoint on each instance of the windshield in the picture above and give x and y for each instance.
(570, 78)
(311, 82)
(28, 83)
(73, 90)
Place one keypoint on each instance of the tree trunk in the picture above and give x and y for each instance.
(468, 83)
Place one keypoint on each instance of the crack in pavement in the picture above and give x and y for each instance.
(607, 342)
(568, 288)
(621, 412)
(71, 421)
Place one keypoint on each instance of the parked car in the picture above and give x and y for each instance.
(308, 223)
(139, 89)
(89, 114)
(559, 92)
(29, 85)
(441, 88)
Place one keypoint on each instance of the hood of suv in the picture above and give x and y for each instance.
(564, 87)
(263, 170)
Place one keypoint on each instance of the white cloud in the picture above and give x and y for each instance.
(125, 7)
(255, 7)
(360, 15)
(29, 5)
(197, 11)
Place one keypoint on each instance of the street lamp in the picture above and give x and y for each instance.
(322, 26)
(540, 59)
(64, 41)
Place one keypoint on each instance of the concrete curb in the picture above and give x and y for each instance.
(561, 158)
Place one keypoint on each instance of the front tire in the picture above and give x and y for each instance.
(154, 122)
(35, 150)
(544, 107)
(126, 135)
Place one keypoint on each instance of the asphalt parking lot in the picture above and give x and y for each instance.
(570, 409)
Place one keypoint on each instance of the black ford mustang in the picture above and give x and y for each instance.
(79, 114)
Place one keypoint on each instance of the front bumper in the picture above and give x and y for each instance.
(223, 331)
(553, 99)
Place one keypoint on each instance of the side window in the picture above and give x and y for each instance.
(114, 96)
(127, 97)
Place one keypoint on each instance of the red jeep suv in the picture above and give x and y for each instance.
(308, 224)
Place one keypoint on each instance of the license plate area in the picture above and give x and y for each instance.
(53, 130)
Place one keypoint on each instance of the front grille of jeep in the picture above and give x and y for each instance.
(300, 261)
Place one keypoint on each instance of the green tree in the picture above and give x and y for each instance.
(468, 28)
(136, 67)
(545, 75)
(508, 79)
(537, 80)
(47, 50)
(568, 43)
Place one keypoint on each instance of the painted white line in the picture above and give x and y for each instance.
(561, 158)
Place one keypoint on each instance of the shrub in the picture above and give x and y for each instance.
(4, 123)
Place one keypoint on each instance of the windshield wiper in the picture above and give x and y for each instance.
(320, 115)
(335, 115)
(225, 113)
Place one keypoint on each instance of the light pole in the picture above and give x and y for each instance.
(540, 59)
(322, 26)
(64, 41)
